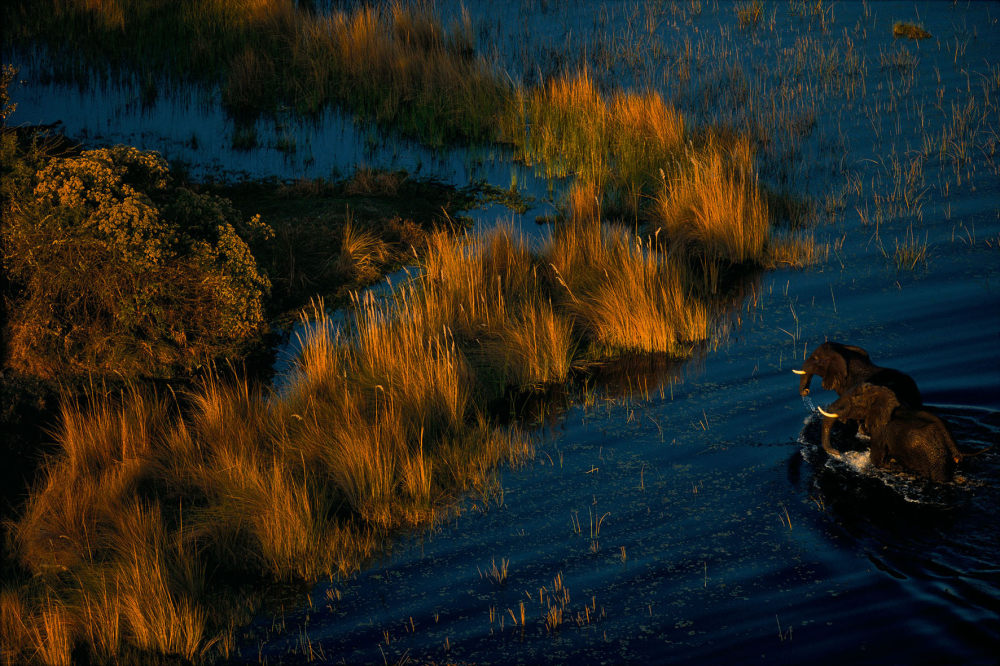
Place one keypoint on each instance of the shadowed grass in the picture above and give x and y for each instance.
(392, 64)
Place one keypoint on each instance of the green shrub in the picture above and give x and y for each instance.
(114, 268)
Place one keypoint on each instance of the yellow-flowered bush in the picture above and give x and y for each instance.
(116, 269)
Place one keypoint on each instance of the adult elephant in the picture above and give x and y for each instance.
(844, 367)
(916, 439)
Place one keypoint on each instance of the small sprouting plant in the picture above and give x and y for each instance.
(497, 574)
(911, 252)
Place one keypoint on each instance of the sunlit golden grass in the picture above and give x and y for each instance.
(625, 293)
(714, 209)
(149, 499)
(615, 144)
(535, 347)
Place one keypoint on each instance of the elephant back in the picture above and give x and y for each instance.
(919, 441)
(899, 383)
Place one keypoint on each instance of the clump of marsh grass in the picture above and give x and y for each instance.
(911, 252)
(749, 13)
(624, 293)
(634, 159)
(909, 30)
(615, 145)
(715, 208)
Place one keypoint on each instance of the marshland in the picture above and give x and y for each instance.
(463, 332)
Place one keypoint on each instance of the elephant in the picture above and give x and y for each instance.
(843, 367)
(915, 438)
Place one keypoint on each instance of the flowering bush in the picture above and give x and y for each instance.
(116, 269)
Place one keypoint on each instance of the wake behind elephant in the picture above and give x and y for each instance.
(916, 439)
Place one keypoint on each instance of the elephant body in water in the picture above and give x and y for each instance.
(916, 439)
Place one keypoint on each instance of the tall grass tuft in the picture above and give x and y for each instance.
(625, 294)
(714, 209)
(616, 145)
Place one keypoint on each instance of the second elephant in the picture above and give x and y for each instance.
(916, 439)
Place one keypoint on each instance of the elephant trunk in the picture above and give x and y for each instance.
(804, 379)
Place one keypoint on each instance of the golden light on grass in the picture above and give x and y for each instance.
(715, 209)
(624, 292)
(909, 30)
(384, 416)
(615, 145)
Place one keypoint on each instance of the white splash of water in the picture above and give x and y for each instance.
(859, 461)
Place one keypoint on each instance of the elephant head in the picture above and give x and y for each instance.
(870, 404)
(837, 364)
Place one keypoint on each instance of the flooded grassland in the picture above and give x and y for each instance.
(810, 176)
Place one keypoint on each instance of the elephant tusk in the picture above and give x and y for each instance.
(799, 372)
(828, 414)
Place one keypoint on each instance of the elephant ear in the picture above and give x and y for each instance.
(836, 372)
(878, 403)
(859, 351)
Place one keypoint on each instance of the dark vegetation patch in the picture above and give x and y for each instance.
(909, 30)
(333, 238)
